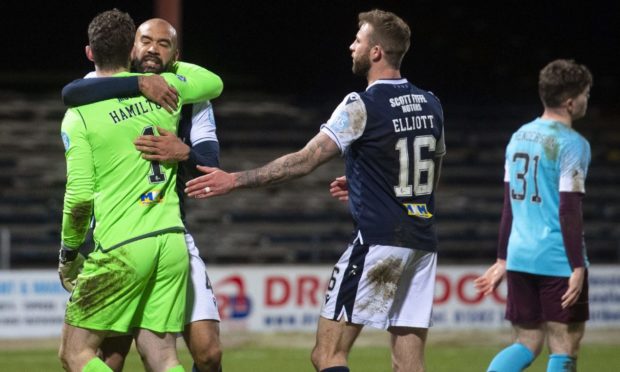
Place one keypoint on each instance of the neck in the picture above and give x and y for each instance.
(109, 71)
(377, 73)
(559, 115)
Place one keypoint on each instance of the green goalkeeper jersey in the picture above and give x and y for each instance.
(133, 198)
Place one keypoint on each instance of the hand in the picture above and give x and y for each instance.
(166, 147)
(575, 284)
(155, 88)
(492, 278)
(70, 263)
(214, 182)
(339, 189)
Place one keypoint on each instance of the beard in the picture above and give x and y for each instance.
(150, 63)
(361, 66)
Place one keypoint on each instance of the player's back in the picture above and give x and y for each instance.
(390, 167)
(543, 158)
(132, 196)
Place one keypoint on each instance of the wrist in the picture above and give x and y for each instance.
(67, 254)
(140, 83)
(184, 154)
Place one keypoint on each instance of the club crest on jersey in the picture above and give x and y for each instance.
(182, 78)
(352, 98)
(151, 197)
(418, 210)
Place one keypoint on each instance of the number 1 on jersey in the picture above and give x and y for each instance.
(156, 176)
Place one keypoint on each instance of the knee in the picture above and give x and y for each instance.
(322, 358)
(315, 357)
(64, 358)
(209, 358)
(68, 359)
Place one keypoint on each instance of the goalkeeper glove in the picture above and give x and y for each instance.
(70, 262)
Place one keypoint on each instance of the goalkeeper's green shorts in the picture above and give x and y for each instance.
(138, 285)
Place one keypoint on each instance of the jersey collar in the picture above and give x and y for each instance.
(388, 81)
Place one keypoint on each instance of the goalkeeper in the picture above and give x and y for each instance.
(135, 280)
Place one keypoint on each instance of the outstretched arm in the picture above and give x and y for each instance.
(215, 182)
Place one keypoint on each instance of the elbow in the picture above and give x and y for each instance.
(219, 87)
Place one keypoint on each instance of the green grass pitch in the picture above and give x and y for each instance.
(439, 358)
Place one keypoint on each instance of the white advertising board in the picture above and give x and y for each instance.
(289, 298)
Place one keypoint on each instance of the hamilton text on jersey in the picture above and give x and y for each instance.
(135, 109)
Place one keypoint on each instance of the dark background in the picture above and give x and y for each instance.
(285, 66)
(465, 52)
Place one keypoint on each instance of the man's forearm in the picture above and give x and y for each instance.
(319, 150)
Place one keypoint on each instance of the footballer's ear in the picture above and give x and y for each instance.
(176, 55)
(89, 53)
(376, 52)
(569, 104)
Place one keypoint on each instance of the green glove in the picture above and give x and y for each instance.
(70, 263)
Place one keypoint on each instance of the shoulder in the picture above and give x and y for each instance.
(72, 117)
(573, 141)
(173, 78)
(351, 97)
(353, 107)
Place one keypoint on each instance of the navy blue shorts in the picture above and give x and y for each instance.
(538, 298)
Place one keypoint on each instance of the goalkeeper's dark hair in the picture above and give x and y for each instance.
(111, 37)
(562, 79)
(390, 32)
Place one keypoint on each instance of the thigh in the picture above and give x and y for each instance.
(336, 336)
(551, 291)
(408, 348)
(162, 308)
(523, 301)
(158, 350)
(201, 301)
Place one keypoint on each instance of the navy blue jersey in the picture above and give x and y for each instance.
(197, 130)
(389, 135)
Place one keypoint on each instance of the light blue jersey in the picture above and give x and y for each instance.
(543, 158)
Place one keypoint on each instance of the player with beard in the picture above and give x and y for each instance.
(155, 50)
(391, 136)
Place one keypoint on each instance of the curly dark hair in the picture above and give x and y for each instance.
(390, 32)
(111, 37)
(562, 79)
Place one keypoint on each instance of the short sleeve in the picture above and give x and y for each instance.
(347, 122)
(574, 161)
(203, 123)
